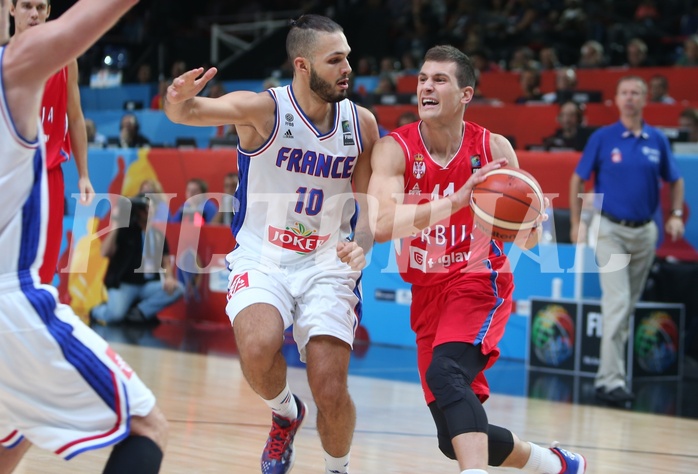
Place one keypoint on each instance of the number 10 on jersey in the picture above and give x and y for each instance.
(310, 201)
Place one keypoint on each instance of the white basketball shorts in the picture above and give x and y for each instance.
(61, 385)
(317, 298)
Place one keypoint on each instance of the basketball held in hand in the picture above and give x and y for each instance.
(507, 202)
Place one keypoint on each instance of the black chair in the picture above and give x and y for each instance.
(561, 220)
(185, 142)
(216, 143)
(133, 105)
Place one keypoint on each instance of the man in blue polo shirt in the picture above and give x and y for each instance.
(627, 159)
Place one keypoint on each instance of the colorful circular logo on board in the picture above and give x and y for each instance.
(656, 342)
(552, 335)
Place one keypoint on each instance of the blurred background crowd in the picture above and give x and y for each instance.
(389, 36)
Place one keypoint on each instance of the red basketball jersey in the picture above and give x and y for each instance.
(452, 245)
(54, 118)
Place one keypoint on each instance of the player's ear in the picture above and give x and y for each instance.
(301, 64)
(468, 93)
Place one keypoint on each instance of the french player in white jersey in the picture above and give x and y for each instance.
(300, 231)
(62, 387)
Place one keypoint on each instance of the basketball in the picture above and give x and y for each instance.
(507, 201)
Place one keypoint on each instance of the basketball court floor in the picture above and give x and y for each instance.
(218, 425)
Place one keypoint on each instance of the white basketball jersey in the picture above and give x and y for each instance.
(295, 193)
(23, 189)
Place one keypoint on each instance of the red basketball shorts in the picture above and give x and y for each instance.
(54, 231)
(472, 308)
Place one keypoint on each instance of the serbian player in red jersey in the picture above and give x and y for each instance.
(64, 128)
(423, 175)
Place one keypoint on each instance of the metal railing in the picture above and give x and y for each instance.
(238, 38)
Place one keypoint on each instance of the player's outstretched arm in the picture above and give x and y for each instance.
(30, 58)
(52, 45)
(183, 105)
(393, 219)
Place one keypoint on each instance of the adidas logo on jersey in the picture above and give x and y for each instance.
(288, 134)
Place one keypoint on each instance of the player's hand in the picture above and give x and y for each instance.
(87, 192)
(189, 84)
(351, 254)
(461, 198)
(528, 240)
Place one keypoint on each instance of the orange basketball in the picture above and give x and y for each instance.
(507, 201)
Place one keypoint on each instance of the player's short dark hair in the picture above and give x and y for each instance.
(302, 36)
(465, 72)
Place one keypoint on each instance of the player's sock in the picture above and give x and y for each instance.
(284, 404)
(135, 455)
(542, 460)
(473, 471)
(336, 465)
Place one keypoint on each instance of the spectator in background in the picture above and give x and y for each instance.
(547, 57)
(229, 205)
(270, 82)
(94, 138)
(215, 89)
(636, 54)
(689, 56)
(144, 75)
(659, 90)
(156, 103)
(152, 189)
(592, 56)
(129, 133)
(523, 59)
(405, 118)
(688, 23)
(646, 11)
(529, 80)
(522, 16)
(386, 85)
(571, 25)
(408, 64)
(366, 66)
(571, 135)
(382, 131)
(140, 278)
(178, 68)
(389, 66)
(688, 121)
(565, 85)
(197, 208)
(482, 61)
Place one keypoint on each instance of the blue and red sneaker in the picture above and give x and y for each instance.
(572, 463)
(278, 455)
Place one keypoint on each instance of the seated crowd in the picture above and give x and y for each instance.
(141, 278)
